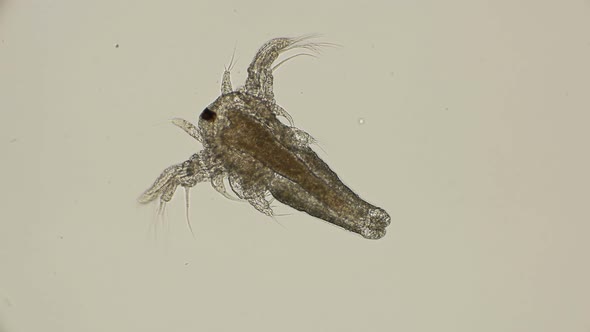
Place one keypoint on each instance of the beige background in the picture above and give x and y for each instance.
(475, 140)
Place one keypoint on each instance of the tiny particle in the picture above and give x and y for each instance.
(116, 45)
(13, 140)
(361, 121)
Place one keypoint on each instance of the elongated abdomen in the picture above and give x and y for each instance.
(333, 201)
(301, 179)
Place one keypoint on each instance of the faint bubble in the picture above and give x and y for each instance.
(361, 121)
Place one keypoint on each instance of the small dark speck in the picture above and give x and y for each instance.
(301, 92)
(13, 140)
(116, 45)
(446, 108)
(61, 237)
(235, 11)
(391, 73)
(186, 264)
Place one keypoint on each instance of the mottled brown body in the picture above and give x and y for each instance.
(245, 142)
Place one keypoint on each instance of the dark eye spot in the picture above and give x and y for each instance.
(208, 115)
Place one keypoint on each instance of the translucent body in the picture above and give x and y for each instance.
(261, 157)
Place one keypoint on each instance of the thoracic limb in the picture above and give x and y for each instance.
(261, 204)
(186, 174)
(217, 183)
(279, 111)
(256, 198)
